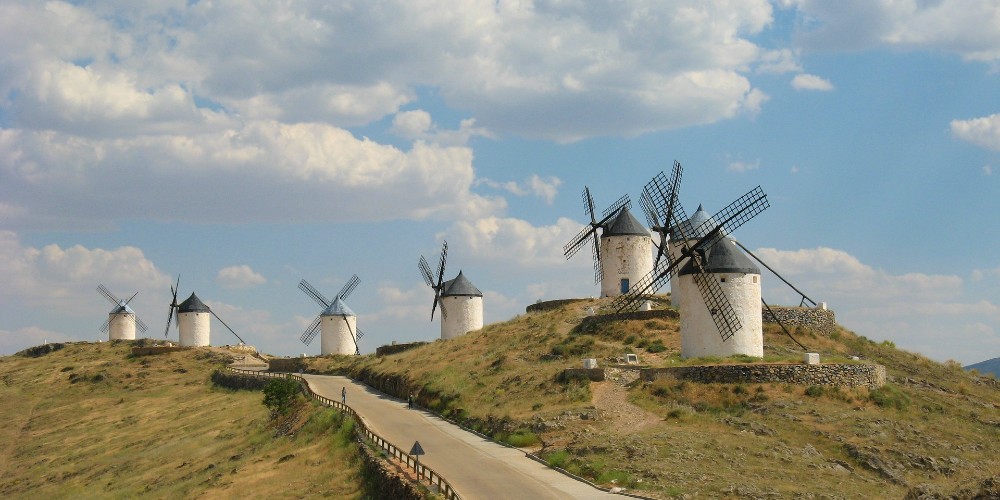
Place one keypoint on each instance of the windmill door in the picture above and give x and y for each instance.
(624, 285)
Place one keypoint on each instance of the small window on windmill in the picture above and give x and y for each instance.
(631, 359)
(755, 279)
(722, 279)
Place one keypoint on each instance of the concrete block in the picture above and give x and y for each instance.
(812, 358)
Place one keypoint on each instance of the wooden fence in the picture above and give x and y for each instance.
(364, 433)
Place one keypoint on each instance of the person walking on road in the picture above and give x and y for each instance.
(343, 395)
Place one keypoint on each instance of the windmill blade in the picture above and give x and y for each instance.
(441, 263)
(623, 202)
(311, 331)
(588, 204)
(425, 271)
(598, 268)
(349, 287)
(357, 349)
(314, 294)
(647, 285)
(140, 325)
(444, 312)
(437, 296)
(106, 325)
(108, 295)
(360, 334)
(130, 298)
(719, 307)
(739, 212)
(170, 315)
(225, 325)
(570, 249)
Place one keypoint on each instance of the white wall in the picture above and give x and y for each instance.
(338, 336)
(465, 314)
(629, 257)
(194, 329)
(699, 335)
(121, 327)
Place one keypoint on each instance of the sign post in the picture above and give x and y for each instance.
(417, 450)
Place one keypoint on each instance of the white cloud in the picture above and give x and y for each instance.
(804, 81)
(12, 341)
(66, 278)
(266, 171)
(918, 311)
(515, 240)
(742, 167)
(779, 62)
(239, 277)
(970, 28)
(984, 132)
(545, 188)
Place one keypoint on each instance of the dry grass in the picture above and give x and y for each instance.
(934, 424)
(92, 421)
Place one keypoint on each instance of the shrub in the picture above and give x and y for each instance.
(558, 459)
(814, 391)
(656, 346)
(522, 438)
(280, 394)
(888, 396)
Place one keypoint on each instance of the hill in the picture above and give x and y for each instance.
(990, 366)
(931, 430)
(91, 420)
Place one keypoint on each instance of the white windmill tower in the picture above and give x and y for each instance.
(739, 282)
(122, 321)
(337, 323)
(708, 287)
(194, 325)
(461, 302)
(692, 230)
(621, 253)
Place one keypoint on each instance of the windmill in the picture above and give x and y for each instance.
(464, 310)
(122, 322)
(660, 198)
(589, 232)
(193, 319)
(336, 338)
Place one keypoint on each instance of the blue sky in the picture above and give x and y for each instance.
(246, 147)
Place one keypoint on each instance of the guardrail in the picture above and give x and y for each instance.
(363, 432)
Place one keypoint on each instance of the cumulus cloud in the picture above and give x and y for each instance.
(516, 240)
(915, 310)
(983, 132)
(266, 171)
(804, 81)
(779, 62)
(965, 27)
(417, 125)
(239, 277)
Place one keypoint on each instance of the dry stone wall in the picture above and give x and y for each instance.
(845, 375)
(821, 321)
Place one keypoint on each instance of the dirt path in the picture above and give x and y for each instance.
(611, 400)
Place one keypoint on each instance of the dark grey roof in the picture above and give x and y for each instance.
(625, 224)
(695, 227)
(338, 308)
(461, 286)
(724, 257)
(192, 304)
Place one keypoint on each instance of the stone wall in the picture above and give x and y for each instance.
(387, 350)
(821, 321)
(589, 321)
(846, 375)
(547, 305)
(287, 365)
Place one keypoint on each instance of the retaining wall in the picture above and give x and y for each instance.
(396, 348)
(846, 375)
(822, 321)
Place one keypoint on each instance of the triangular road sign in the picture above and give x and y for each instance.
(416, 450)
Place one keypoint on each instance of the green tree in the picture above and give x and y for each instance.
(280, 394)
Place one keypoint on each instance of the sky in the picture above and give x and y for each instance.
(245, 146)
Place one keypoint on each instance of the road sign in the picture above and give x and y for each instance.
(417, 449)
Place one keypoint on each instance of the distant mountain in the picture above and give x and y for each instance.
(988, 366)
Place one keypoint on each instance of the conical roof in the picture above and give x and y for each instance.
(122, 308)
(192, 304)
(460, 286)
(338, 308)
(625, 224)
(695, 227)
(724, 257)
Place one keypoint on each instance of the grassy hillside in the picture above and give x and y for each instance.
(90, 420)
(932, 429)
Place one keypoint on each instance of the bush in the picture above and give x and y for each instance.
(889, 397)
(558, 459)
(656, 346)
(814, 391)
(522, 438)
(280, 394)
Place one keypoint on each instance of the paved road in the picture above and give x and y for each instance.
(475, 467)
